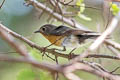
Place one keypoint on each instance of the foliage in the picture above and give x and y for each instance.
(31, 21)
(29, 74)
(114, 8)
(81, 6)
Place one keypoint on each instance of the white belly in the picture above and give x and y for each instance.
(71, 41)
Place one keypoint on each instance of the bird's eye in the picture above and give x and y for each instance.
(43, 29)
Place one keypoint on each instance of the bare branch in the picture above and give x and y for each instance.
(2, 4)
(20, 49)
(113, 44)
(52, 51)
(45, 66)
(105, 34)
(65, 69)
(103, 56)
(114, 51)
(38, 5)
(67, 56)
(100, 39)
(89, 68)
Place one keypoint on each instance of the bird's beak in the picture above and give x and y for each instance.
(37, 31)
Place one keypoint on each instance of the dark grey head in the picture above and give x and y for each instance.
(46, 29)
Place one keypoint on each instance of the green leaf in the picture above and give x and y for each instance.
(78, 3)
(33, 74)
(82, 8)
(82, 16)
(27, 74)
(114, 8)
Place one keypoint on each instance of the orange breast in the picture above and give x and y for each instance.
(57, 40)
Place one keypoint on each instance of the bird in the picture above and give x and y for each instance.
(65, 36)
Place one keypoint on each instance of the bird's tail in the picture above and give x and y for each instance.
(90, 36)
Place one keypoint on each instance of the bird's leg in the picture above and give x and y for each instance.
(44, 53)
(64, 48)
(71, 52)
(44, 49)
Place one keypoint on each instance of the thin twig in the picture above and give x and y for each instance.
(20, 49)
(51, 51)
(113, 44)
(68, 4)
(105, 34)
(38, 5)
(92, 68)
(65, 69)
(98, 55)
(116, 52)
(45, 66)
(99, 40)
(2, 4)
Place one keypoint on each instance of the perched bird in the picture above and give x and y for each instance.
(66, 36)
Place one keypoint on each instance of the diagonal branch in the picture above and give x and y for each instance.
(45, 66)
(91, 68)
(2, 4)
(65, 69)
(39, 5)
(7, 37)
(106, 33)
(52, 51)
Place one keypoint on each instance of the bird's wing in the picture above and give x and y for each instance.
(61, 30)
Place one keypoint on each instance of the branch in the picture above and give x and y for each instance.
(67, 56)
(112, 49)
(91, 68)
(51, 51)
(103, 56)
(30, 43)
(65, 69)
(20, 49)
(113, 44)
(106, 33)
(100, 39)
(45, 66)
(2, 4)
(37, 5)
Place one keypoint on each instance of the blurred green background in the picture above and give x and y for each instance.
(25, 20)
